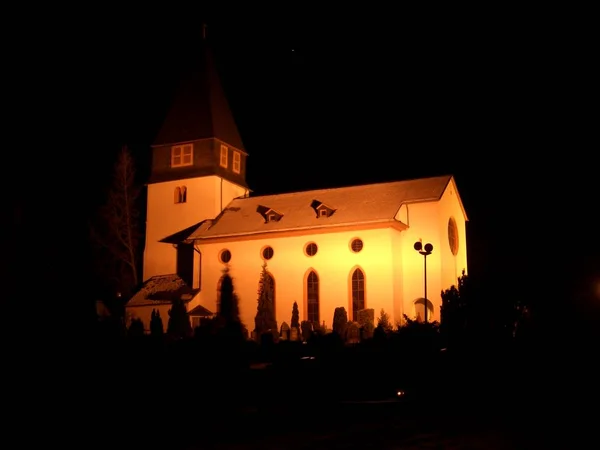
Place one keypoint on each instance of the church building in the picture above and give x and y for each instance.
(324, 248)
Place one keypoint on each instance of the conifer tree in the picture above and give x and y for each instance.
(229, 324)
(136, 328)
(156, 324)
(179, 322)
(229, 310)
(295, 316)
(264, 321)
(383, 321)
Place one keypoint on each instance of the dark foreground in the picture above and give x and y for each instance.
(377, 426)
(463, 404)
(534, 400)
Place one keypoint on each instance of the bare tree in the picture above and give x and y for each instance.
(116, 230)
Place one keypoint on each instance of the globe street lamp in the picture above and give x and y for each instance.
(424, 250)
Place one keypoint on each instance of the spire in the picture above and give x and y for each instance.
(199, 109)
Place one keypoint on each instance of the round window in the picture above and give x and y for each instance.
(356, 245)
(453, 236)
(311, 249)
(267, 252)
(225, 256)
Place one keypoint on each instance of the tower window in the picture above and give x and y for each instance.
(224, 151)
(182, 155)
(237, 162)
(180, 194)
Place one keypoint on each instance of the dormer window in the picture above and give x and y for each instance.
(237, 158)
(321, 209)
(269, 214)
(224, 153)
(182, 155)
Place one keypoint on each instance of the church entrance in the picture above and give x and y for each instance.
(420, 310)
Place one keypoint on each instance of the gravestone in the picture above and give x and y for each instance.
(353, 333)
(366, 316)
(366, 321)
(284, 332)
(307, 330)
(294, 334)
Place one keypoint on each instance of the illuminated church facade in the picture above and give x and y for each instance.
(349, 246)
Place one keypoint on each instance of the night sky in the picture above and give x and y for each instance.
(501, 103)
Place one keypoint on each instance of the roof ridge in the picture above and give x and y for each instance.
(354, 186)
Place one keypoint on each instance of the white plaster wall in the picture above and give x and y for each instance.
(333, 263)
(206, 196)
(452, 266)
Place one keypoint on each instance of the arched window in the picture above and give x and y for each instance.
(312, 297)
(358, 293)
(177, 195)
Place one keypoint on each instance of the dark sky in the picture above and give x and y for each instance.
(501, 102)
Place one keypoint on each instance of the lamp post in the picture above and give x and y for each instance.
(424, 250)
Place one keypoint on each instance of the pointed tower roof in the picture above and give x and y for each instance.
(199, 109)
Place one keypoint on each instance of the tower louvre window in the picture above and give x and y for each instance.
(224, 152)
(182, 155)
(237, 162)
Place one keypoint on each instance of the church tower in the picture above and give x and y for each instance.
(198, 167)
